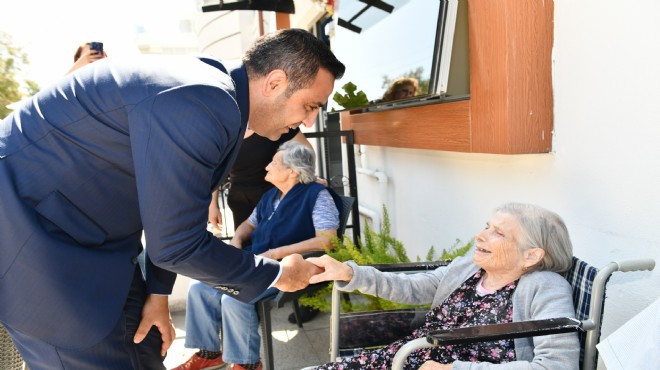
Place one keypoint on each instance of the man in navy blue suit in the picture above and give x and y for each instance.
(122, 147)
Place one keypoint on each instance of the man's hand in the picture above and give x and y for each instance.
(331, 269)
(296, 273)
(156, 312)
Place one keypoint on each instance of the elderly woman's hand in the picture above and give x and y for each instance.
(432, 365)
(334, 270)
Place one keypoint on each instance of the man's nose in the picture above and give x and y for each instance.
(309, 120)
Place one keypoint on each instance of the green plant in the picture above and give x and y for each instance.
(351, 99)
(379, 247)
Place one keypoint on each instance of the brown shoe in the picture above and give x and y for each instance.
(197, 363)
(239, 367)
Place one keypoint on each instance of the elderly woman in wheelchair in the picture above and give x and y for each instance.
(512, 274)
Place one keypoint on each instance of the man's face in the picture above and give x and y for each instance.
(274, 116)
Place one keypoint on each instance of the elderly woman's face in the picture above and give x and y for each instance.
(496, 246)
(276, 172)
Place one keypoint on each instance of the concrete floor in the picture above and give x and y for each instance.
(293, 348)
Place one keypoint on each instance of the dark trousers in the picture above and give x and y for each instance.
(115, 352)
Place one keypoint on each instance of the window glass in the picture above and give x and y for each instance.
(379, 47)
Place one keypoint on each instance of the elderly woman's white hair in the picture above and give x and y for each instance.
(299, 158)
(541, 228)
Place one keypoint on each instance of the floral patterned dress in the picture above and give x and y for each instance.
(464, 307)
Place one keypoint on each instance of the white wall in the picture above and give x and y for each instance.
(603, 176)
(227, 34)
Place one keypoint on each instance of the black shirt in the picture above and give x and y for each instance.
(255, 154)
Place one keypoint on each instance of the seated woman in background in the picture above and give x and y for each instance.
(401, 88)
(513, 274)
(297, 215)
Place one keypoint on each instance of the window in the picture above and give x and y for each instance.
(509, 109)
(397, 52)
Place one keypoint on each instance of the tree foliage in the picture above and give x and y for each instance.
(12, 88)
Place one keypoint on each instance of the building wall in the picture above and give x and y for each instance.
(603, 176)
(227, 34)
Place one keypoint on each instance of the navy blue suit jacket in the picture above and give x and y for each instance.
(86, 165)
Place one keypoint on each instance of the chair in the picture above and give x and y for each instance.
(265, 305)
(10, 359)
(588, 297)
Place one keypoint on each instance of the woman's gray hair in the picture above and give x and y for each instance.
(300, 158)
(543, 229)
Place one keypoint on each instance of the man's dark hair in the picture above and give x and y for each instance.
(297, 52)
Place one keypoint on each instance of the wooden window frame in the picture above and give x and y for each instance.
(510, 108)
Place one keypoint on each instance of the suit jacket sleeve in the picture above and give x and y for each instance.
(182, 143)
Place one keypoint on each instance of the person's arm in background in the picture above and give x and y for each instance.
(215, 217)
(322, 240)
(87, 56)
(242, 234)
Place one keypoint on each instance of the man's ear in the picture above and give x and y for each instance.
(533, 256)
(274, 83)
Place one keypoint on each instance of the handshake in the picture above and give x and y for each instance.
(297, 273)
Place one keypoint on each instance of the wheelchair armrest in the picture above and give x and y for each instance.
(410, 266)
(511, 330)
(486, 333)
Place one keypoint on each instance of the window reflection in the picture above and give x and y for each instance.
(380, 47)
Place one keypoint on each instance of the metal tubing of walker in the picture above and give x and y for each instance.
(405, 351)
(334, 324)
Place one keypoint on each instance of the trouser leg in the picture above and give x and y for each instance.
(203, 317)
(114, 352)
(240, 330)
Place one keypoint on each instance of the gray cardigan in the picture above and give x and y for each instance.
(539, 295)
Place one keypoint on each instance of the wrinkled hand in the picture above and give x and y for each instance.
(432, 365)
(296, 273)
(156, 312)
(331, 269)
(321, 181)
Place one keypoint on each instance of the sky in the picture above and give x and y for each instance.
(49, 31)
